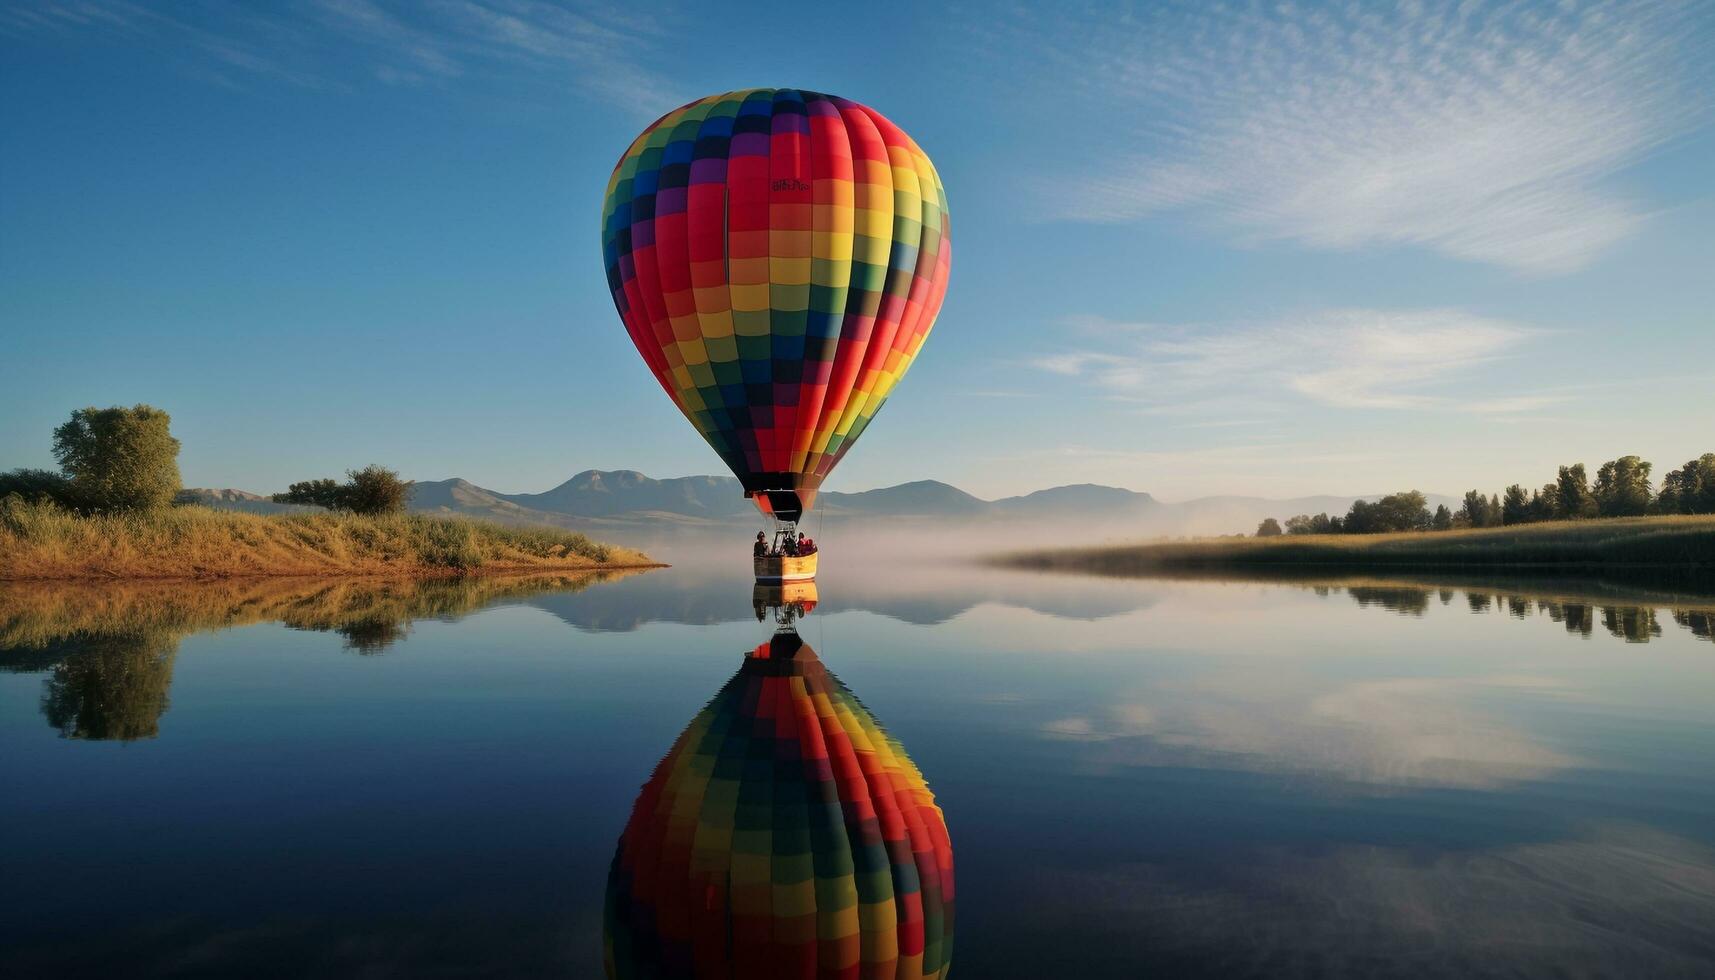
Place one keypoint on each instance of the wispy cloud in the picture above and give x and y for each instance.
(1388, 733)
(1355, 359)
(337, 43)
(1485, 131)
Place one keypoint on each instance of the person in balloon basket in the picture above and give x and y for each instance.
(761, 549)
(806, 546)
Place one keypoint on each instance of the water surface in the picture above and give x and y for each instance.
(1332, 777)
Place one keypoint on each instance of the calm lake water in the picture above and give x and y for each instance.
(1183, 778)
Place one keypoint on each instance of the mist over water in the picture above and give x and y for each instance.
(1324, 777)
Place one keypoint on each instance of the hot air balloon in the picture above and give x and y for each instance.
(785, 835)
(778, 258)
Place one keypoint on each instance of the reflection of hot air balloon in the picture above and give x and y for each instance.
(788, 603)
(778, 257)
(784, 835)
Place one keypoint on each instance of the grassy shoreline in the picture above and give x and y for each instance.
(1641, 542)
(39, 542)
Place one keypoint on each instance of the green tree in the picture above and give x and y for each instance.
(1515, 506)
(1689, 489)
(1269, 528)
(1320, 524)
(1475, 510)
(1361, 519)
(1545, 503)
(39, 485)
(376, 490)
(316, 493)
(1406, 511)
(1443, 520)
(119, 458)
(371, 490)
(1574, 500)
(1623, 487)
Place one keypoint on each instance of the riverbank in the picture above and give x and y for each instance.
(43, 542)
(1677, 541)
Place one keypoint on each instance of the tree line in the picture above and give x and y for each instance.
(371, 490)
(1622, 489)
(126, 459)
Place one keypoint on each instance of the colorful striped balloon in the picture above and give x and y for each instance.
(784, 836)
(778, 258)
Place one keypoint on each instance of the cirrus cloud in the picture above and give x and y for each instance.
(1484, 131)
(1352, 359)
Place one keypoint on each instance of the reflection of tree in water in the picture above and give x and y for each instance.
(112, 687)
(109, 649)
(373, 634)
(1632, 622)
(1405, 601)
(1699, 622)
(1578, 617)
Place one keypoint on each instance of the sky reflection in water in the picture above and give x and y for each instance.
(1326, 777)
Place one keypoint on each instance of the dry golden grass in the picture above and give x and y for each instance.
(1686, 541)
(40, 541)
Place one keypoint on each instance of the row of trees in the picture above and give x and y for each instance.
(371, 490)
(1408, 511)
(1622, 489)
(124, 459)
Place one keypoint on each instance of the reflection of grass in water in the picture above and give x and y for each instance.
(109, 649)
(39, 541)
(34, 615)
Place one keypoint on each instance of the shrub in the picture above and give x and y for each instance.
(41, 486)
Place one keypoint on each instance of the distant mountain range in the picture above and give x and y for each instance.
(625, 503)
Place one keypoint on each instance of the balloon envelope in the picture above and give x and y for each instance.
(778, 257)
(784, 835)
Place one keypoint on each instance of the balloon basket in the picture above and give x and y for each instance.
(781, 569)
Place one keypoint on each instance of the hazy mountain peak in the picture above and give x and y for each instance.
(627, 502)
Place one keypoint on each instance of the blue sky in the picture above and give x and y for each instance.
(1198, 248)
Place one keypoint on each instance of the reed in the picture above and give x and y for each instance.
(41, 541)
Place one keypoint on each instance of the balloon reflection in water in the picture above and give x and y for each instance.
(787, 603)
(784, 835)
